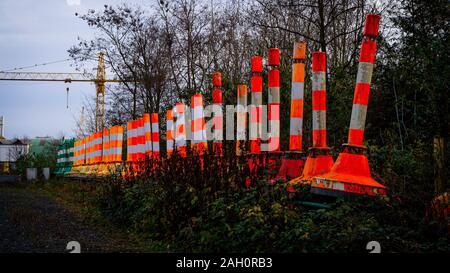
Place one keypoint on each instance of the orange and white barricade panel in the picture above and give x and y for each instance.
(115, 148)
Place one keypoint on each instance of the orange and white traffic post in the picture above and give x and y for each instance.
(181, 130)
(131, 143)
(255, 123)
(155, 135)
(141, 148)
(256, 110)
(293, 161)
(241, 119)
(297, 96)
(198, 141)
(148, 135)
(273, 144)
(350, 173)
(319, 160)
(218, 114)
(170, 144)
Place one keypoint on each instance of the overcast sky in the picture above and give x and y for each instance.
(35, 32)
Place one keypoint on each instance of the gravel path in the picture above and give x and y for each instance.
(31, 222)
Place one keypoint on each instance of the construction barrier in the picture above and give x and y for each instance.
(293, 160)
(103, 168)
(241, 119)
(218, 114)
(297, 95)
(65, 157)
(97, 153)
(170, 143)
(148, 135)
(181, 130)
(319, 160)
(350, 173)
(273, 105)
(141, 148)
(256, 111)
(155, 136)
(255, 122)
(131, 140)
(115, 145)
(198, 141)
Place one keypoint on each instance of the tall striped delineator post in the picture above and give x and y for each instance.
(129, 134)
(255, 124)
(148, 135)
(273, 105)
(170, 143)
(256, 110)
(218, 113)
(293, 161)
(319, 160)
(198, 141)
(141, 140)
(272, 146)
(140, 146)
(155, 135)
(181, 130)
(241, 119)
(350, 173)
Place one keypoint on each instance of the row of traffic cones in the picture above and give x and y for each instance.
(350, 174)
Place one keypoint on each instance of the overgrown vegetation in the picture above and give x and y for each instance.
(190, 210)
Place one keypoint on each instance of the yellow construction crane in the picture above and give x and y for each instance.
(99, 81)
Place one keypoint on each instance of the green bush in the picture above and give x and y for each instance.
(212, 211)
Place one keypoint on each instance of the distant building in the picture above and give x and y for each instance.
(41, 145)
(10, 151)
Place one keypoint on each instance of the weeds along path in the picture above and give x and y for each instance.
(33, 222)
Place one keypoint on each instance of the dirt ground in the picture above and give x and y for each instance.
(33, 222)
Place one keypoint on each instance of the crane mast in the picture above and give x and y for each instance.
(99, 81)
(100, 94)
